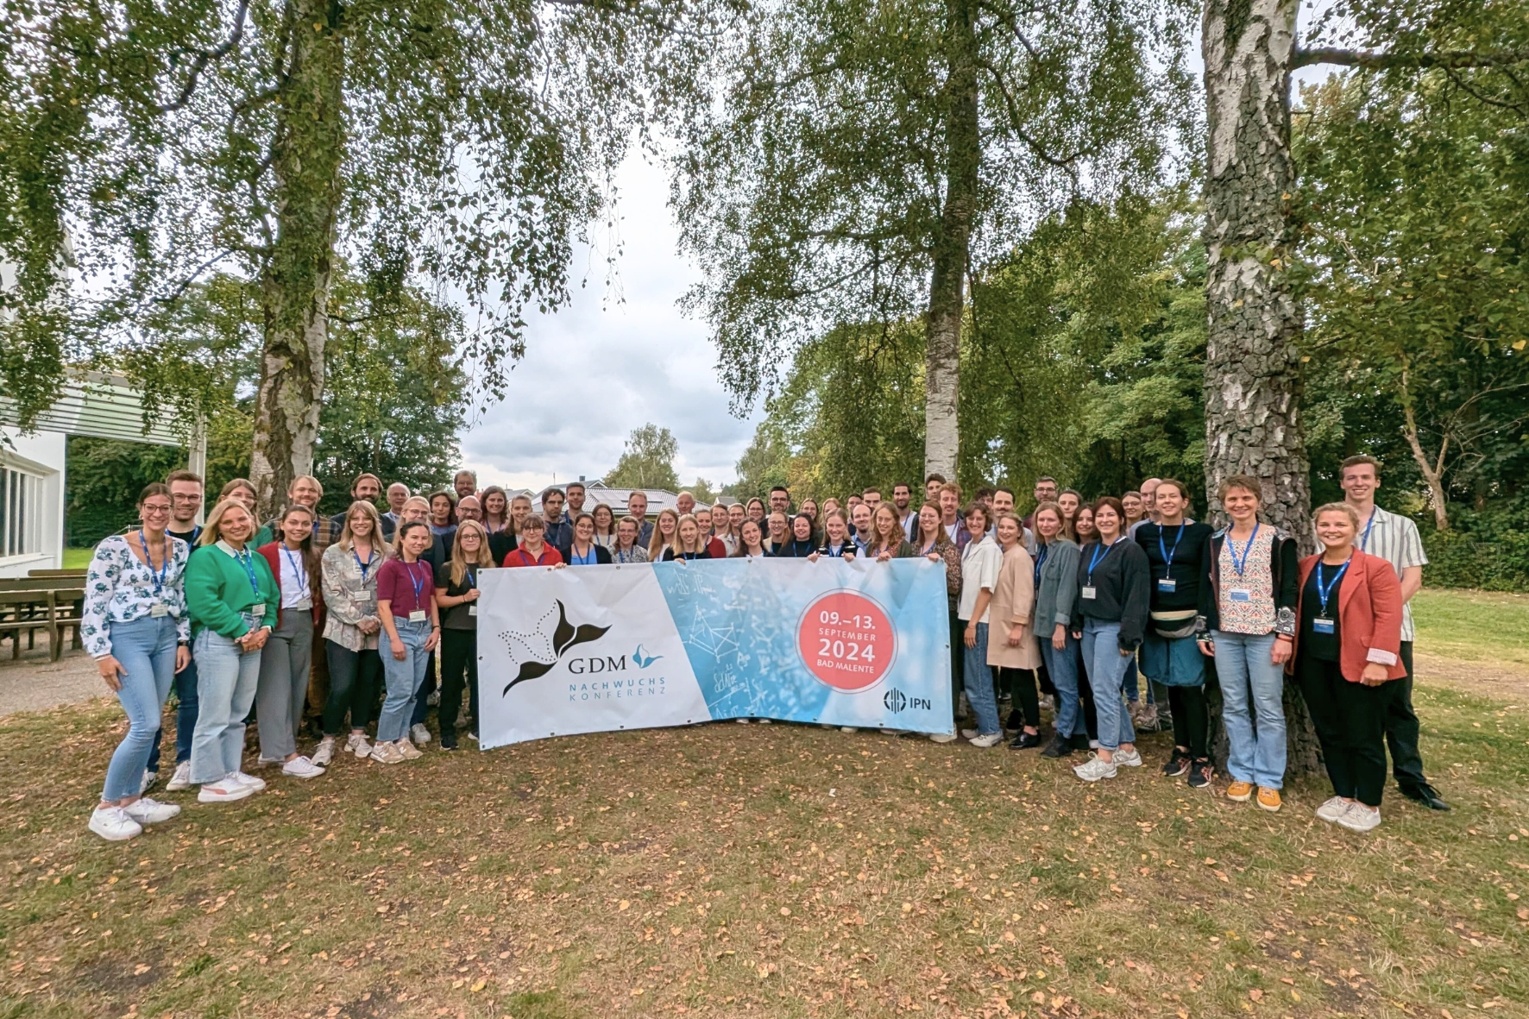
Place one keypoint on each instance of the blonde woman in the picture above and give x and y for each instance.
(689, 542)
(351, 629)
(665, 533)
(456, 596)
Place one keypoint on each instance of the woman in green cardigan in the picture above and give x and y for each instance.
(231, 597)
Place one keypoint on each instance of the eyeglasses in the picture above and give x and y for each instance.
(155, 507)
(195, 497)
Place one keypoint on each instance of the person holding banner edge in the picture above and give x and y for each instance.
(456, 599)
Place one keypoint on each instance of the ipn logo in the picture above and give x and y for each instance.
(896, 702)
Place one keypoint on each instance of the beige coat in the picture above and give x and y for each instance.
(1013, 602)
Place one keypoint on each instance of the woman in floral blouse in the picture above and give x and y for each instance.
(351, 628)
(135, 627)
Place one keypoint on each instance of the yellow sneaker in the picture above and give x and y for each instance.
(1269, 798)
(1239, 792)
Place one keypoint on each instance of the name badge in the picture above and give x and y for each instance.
(258, 609)
(159, 610)
(304, 603)
(417, 616)
(472, 610)
(1238, 594)
(1168, 585)
(1320, 625)
(1086, 591)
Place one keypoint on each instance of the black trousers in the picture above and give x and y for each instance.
(1191, 718)
(1020, 683)
(354, 679)
(1086, 704)
(1402, 729)
(1350, 720)
(459, 656)
(957, 660)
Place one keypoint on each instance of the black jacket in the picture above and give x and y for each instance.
(1188, 567)
(1285, 568)
(501, 544)
(1122, 584)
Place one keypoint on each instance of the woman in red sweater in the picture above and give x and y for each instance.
(1348, 640)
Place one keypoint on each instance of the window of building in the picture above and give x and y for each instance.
(20, 523)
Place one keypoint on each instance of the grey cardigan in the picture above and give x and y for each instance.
(1058, 588)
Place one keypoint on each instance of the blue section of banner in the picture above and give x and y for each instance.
(739, 620)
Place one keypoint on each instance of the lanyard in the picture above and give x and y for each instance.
(148, 560)
(1169, 553)
(298, 570)
(371, 557)
(1040, 561)
(1325, 590)
(1240, 563)
(248, 562)
(1364, 539)
(587, 559)
(1100, 551)
(419, 585)
(472, 580)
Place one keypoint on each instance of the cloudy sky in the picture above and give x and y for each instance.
(619, 356)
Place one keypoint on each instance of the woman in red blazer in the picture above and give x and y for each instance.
(1347, 651)
(282, 690)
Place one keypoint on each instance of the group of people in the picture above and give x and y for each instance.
(343, 617)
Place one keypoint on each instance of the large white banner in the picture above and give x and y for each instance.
(604, 648)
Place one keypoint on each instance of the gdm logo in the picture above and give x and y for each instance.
(596, 666)
(544, 646)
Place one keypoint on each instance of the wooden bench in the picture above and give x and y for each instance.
(56, 574)
(50, 604)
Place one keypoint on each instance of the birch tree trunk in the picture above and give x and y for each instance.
(308, 152)
(1252, 362)
(947, 284)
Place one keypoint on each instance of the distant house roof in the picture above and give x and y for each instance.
(616, 498)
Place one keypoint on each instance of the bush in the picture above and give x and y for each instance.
(1487, 550)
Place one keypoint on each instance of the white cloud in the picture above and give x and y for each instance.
(619, 356)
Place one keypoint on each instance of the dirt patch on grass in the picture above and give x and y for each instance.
(1499, 681)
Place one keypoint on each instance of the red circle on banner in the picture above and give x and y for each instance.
(846, 641)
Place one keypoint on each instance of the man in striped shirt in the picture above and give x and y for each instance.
(1395, 539)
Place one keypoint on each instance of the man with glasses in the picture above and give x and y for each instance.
(185, 508)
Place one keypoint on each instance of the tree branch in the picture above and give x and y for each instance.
(205, 57)
(1040, 151)
(1384, 60)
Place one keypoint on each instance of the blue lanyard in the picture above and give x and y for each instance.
(1100, 551)
(587, 559)
(371, 557)
(1040, 561)
(419, 585)
(1240, 563)
(472, 581)
(298, 570)
(1169, 553)
(248, 562)
(1364, 539)
(1325, 590)
(164, 567)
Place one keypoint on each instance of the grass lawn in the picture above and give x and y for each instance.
(1475, 626)
(776, 871)
(77, 558)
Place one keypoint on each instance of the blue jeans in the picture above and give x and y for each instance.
(226, 682)
(1251, 680)
(979, 683)
(146, 649)
(1106, 672)
(185, 718)
(1062, 667)
(403, 679)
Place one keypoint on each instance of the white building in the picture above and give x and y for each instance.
(32, 468)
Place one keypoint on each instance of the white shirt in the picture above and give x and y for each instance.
(293, 577)
(980, 562)
(1395, 539)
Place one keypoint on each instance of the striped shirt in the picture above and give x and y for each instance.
(1395, 539)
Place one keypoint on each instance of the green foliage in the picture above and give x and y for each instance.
(1488, 549)
(813, 184)
(104, 479)
(647, 461)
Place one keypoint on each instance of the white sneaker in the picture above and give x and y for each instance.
(1360, 818)
(1093, 744)
(1128, 758)
(473, 736)
(244, 778)
(323, 754)
(745, 721)
(356, 743)
(407, 750)
(433, 698)
(848, 728)
(991, 739)
(764, 721)
(149, 778)
(113, 824)
(970, 733)
(181, 779)
(942, 737)
(386, 753)
(269, 762)
(225, 790)
(1095, 768)
(1333, 808)
(419, 735)
(301, 767)
(147, 811)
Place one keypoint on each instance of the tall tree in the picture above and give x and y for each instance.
(860, 159)
(464, 143)
(647, 461)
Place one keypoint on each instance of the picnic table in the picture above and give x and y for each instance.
(52, 601)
